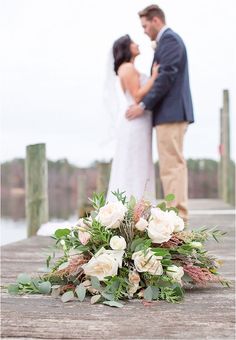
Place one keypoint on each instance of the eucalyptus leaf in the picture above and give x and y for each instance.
(23, 279)
(136, 242)
(113, 304)
(95, 299)
(13, 289)
(67, 296)
(155, 293)
(95, 282)
(80, 292)
(148, 293)
(108, 296)
(44, 287)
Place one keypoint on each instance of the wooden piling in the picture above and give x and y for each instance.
(36, 179)
(224, 164)
(103, 176)
(82, 194)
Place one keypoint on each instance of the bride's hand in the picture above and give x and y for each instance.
(155, 69)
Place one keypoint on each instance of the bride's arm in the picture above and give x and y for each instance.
(130, 80)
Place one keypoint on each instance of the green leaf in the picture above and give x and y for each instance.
(176, 210)
(67, 296)
(108, 296)
(13, 289)
(81, 292)
(166, 262)
(95, 299)
(148, 293)
(44, 287)
(48, 260)
(136, 242)
(132, 202)
(23, 279)
(170, 198)
(155, 293)
(95, 282)
(178, 290)
(62, 232)
(113, 304)
(162, 206)
(160, 251)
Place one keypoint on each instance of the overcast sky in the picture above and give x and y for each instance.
(52, 63)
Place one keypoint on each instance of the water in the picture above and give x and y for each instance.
(12, 231)
(13, 223)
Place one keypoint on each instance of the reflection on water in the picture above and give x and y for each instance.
(13, 224)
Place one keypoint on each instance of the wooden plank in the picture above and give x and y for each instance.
(206, 313)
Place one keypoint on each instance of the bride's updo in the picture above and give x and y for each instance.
(121, 51)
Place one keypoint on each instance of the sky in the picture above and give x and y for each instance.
(53, 64)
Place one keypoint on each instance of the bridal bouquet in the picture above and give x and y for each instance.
(126, 250)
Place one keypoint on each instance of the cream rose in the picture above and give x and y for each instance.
(111, 215)
(159, 232)
(176, 222)
(175, 273)
(104, 263)
(148, 262)
(142, 224)
(117, 243)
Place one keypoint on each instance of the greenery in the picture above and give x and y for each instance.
(115, 255)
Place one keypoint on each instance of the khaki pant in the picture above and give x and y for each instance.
(173, 168)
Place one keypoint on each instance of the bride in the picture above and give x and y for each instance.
(132, 167)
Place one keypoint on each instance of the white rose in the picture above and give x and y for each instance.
(175, 272)
(176, 222)
(159, 232)
(116, 254)
(104, 263)
(148, 262)
(111, 215)
(195, 244)
(117, 243)
(142, 224)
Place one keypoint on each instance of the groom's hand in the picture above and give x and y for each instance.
(134, 111)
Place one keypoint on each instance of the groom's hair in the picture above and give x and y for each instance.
(152, 11)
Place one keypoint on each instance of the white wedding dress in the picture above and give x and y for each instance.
(132, 167)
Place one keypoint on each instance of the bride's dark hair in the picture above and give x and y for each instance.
(121, 51)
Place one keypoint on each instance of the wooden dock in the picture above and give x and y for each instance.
(206, 313)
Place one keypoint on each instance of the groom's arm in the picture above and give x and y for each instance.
(170, 57)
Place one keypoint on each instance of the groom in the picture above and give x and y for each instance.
(171, 104)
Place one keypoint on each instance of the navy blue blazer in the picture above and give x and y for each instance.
(170, 98)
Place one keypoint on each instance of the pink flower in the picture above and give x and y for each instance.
(84, 237)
